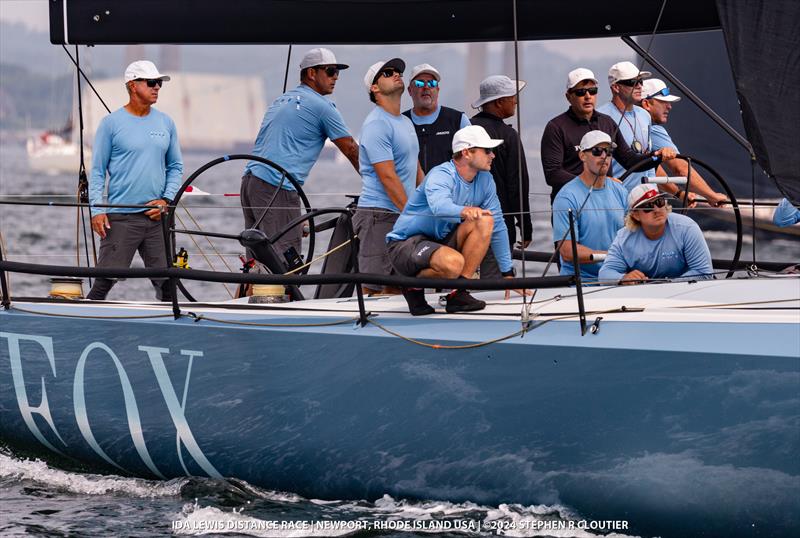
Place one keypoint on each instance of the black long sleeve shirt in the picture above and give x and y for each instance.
(505, 171)
(560, 159)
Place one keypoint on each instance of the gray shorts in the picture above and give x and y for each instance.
(255, 196)
(411, 256)
(371, 224)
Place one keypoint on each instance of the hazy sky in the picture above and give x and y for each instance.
(34, 14)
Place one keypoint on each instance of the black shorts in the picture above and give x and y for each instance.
(411, 256)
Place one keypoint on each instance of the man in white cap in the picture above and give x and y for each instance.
(656, 243)
(435, 124)
(137, 155)
(449, 223)
(497, 102)
(657, 100)
(560, 161)
(597, 204)
(388, 151)
(625, 80)
(292, 134)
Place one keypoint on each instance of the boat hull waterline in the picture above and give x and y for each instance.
(632, 423)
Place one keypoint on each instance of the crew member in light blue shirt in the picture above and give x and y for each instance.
(657, 100)
(389, 168)
(656, 243)
(785, 214)
(138, 158)
(292, 134)
(449, 223)
(597, 204)
(634, 122)
(435, 124)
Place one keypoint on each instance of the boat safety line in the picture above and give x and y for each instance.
(82, 316)
(443, 346)
(202, 317)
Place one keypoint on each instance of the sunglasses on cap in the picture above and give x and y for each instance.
(649, 206)
(662, 92)
(151, 82)
(631, 82)
(433, 83)
(597, 151)
(330, 70)
(580, 92)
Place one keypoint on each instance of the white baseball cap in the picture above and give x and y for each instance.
(425, 68)
(473, 136)
(377, 67)
(654, 88)
(578, 75)
(143, 69)
(495, 87)
(320, 56)
(625, 71)
(592, 138)
(643, 193)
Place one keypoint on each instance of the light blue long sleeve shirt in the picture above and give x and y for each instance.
(434, 209)
(680, 252)
(785, 214)
(141, 157)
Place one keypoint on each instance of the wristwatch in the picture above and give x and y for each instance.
(512, 272)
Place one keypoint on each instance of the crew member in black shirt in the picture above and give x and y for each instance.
(564, 132)
(435, 125)
(498, 101)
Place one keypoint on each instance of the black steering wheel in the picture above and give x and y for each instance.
(692, 161)
(288, 177)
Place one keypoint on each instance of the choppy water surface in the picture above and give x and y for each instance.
(39, 500)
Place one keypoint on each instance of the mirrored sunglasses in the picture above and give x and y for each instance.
(662, 92)
(631, 82)
(151, 82)
(428, 83)
(580, 92)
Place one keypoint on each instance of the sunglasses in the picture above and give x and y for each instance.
(330, 70)
(151, 82)
(649, 206)
(580, 92)
(390, 71)
(631, 82)
(429, 83)
(600, 151)
(663, 92)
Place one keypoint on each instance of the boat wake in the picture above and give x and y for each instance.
(43, 495)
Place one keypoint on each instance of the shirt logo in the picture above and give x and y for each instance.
(422, 250)
(157, 134)
(443, 133)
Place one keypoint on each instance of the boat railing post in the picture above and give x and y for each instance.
(576, 264)
(6, 300)
(362, 309)
(172, 282)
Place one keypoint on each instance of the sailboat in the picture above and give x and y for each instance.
(672, 406)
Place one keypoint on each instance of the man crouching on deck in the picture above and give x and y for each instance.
(449, 222)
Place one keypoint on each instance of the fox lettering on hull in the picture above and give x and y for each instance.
(92, 355)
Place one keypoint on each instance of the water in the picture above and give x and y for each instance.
(40, 499)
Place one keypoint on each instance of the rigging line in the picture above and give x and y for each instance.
(89, 82)
(202, 252)
(753, 209)
(286, 74)
(289, 325)
(83, 316)
(323, 255)
(4, 255)
(83, 184)
(442, 346)
(520, 149)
